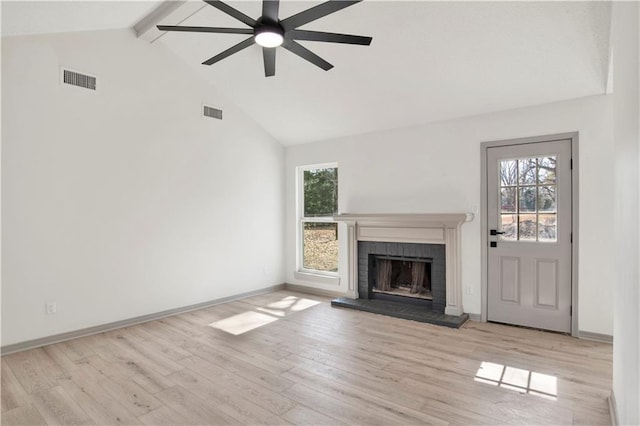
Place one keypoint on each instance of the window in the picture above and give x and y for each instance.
(317, 231)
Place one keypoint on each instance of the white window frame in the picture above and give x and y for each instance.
(301, 219)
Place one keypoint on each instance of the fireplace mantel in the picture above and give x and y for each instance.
(436, 228)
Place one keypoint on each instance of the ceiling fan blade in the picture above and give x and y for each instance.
(269, 55)
(235, 13)
(270, 9)
(305, 53)
(316, 12)
(230, 51)
(205, 29)
(328, 37)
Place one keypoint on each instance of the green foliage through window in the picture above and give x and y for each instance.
(320, 192)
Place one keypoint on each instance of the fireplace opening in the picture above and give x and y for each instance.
(403, 276)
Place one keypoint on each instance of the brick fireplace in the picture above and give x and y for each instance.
(427, 238)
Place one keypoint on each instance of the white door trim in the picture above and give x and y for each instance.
(484, 229)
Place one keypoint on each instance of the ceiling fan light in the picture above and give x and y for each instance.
(269, 38)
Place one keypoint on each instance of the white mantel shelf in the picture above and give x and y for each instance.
(407, 219)
(423, 228)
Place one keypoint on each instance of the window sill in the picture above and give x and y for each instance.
(317, 278)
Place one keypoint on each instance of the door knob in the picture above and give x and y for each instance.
(494, 232)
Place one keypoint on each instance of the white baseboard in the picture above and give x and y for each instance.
(57, 338)
(314, 291)
(613, 412)
(475, 317)
(596, 337)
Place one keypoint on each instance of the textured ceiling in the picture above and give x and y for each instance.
(429, 61)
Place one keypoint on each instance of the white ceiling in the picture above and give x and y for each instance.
(429, 61)
(43, 17)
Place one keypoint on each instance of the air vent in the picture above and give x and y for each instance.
(80, 80)
(212, 112)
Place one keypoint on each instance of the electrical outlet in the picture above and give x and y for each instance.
(51, 308)
(468, 290)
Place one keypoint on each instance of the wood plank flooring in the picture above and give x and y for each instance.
(289, 358)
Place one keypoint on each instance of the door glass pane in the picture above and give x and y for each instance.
(508, 200)
(547, 198)
(508, 172)
(547, 227)
(547, 170)
(527, 199)
(508, 226)
(527, 227)
(320, 241)
(527, 171)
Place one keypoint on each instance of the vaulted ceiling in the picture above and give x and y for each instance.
(429, 61)
(43, 17)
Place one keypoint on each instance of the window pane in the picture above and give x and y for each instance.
(527, 171)
(320, 192)
(547, 198)
(508, 172)
(320, 241)
(527, 199)
(508, 226)
(547, 170)
(547, 228)
(508, 200)
(527, 227)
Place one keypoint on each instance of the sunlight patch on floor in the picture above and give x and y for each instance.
(517, 379)
(250, 320)
(274, 312)
(302, 304)
(292, 303)
(241, 323)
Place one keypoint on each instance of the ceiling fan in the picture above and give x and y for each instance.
(270, 32)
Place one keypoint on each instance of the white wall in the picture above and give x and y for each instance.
(126, 202)
(436, 168)
(626, 345)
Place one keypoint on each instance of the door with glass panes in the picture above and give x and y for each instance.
(529, 223)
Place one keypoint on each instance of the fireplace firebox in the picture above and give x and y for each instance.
(412, 273)
(402, 276)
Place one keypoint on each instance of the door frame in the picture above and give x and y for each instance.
(484, 217)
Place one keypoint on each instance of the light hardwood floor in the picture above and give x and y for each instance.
(308, 363)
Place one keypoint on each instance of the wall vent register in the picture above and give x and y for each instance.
(77, 79)
(212, 112)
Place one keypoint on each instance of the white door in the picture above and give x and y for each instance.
(529, 222)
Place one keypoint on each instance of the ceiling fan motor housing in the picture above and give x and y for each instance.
(268, 33)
